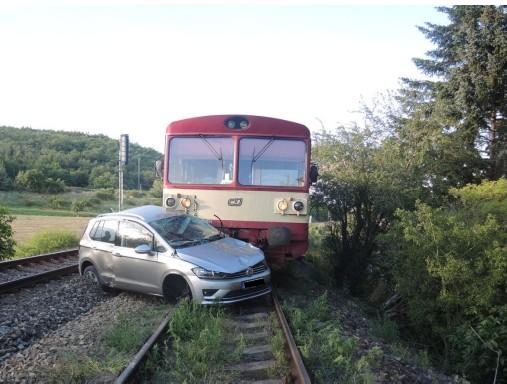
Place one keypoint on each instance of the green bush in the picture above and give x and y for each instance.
(55, 202)
(78, 206)
(450, 266)
(7, 242)
(47, 241)
(157, 188)
(105, 194)
(34, 180)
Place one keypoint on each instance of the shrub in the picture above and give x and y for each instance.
(105, 194)
(450, 266)
(34, 180)
(78, 206)
(55, 202)
(47, 241)
(157, 188)
(7, 242)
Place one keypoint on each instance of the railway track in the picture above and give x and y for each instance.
(26, 271)
(252, 319)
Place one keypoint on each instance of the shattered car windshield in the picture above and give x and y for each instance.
(185, 230)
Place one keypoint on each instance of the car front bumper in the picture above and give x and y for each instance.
(230, 291)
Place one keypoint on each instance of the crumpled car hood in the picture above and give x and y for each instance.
(225, 255)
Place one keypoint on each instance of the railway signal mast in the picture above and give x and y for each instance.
(123, 157)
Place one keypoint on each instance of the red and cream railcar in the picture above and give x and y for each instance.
(248, 175)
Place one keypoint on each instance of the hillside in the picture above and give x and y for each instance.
(45, 160)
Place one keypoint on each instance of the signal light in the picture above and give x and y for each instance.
(170, 202)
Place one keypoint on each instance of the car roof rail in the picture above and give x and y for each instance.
(122, 214)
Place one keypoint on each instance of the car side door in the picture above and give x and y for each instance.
(103, 236)
(132, 270)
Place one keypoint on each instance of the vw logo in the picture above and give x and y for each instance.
(249, 271)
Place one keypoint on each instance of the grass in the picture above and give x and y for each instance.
(201, 347)
(74, 202)
(48, 241)
(26, 227)
(331, 356)
(279, 348)
(116, 346)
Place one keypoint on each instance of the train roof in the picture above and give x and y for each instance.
(257, 125)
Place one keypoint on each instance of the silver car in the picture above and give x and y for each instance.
(174, 255)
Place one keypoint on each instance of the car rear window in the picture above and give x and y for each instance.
(104, 231)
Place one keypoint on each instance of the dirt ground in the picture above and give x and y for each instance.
(24, 227)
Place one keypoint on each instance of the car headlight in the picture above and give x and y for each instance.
(203, 273)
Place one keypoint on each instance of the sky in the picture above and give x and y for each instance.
(135, 67)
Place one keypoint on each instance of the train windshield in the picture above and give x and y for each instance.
(201, 160)
(272, 162)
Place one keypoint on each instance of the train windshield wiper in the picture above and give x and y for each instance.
(218, 155)
(262, 151)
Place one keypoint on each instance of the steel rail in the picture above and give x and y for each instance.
(298, 368)
(128, 374)
(37, 278)
(38, 258)
(299, 375)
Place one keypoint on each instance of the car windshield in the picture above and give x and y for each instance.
(185, 230)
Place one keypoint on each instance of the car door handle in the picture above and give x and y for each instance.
(116, 254)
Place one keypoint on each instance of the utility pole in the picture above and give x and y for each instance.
(123, 159)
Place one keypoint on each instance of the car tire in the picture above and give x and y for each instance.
(176, 289)
(91, 275)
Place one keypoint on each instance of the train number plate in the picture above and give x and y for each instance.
(253, 283)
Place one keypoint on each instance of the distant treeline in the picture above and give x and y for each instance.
(47, 161)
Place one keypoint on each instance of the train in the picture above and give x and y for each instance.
(247, 175)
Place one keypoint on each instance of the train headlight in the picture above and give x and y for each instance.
(170, 202)
(185, 202)
(298, 206)
(282, 205)
(237, 122)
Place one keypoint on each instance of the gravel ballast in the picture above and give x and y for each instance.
(30, 313)
(80, 337)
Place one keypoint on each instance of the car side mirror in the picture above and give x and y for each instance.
(143, 249)
(314, 173)
(159, 164)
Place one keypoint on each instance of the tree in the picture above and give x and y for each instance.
(362, 182)
(7, 242)
(469, 63)
(5, 181)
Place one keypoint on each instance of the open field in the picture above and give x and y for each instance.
(25, 227)
(89, 202)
